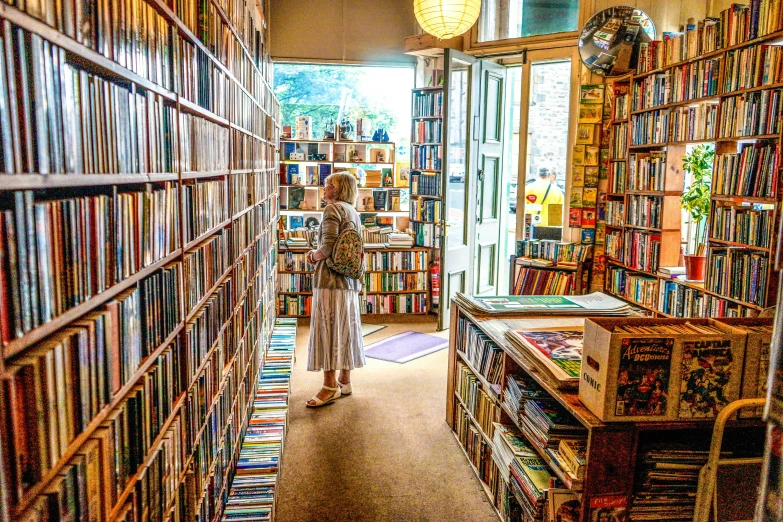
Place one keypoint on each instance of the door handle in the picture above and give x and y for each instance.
(481, 175)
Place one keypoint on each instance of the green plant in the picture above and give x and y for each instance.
(696, 199)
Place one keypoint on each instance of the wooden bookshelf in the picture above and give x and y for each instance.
(426, 172)
(295, 257)
(175, 116)
(712, 102)
(614, 450)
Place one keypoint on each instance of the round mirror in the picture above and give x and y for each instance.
(609, 43)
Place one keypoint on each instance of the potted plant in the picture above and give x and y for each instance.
(696, 201)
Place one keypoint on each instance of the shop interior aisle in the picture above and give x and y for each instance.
(385, 453)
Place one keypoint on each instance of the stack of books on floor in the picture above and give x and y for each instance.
(253, 489)
(668, 484)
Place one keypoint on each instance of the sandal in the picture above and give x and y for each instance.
(345, 389)
(317, 403)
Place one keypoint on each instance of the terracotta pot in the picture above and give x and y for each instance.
(694, 267)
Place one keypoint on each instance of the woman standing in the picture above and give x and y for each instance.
(335, 323)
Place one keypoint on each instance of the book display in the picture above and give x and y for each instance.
(535, 443)
(305, 165)
(138, 201)
(395, 282)
(717, 83)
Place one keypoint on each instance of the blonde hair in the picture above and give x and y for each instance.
(345, 186)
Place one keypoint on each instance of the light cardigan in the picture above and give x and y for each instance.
(323, 276)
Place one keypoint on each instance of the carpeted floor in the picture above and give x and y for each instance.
(383, 454)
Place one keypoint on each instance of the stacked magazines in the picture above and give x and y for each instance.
(508, 443)
(595, 304)
(252, 496)
(556, 351)
(519, 389)
(530, 479)
(546, 422)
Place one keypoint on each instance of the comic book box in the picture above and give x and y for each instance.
(642, 377)
(758, 332)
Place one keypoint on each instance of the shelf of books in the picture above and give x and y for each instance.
(396, 281)
(549, 267)
(426, 207)
(305, 165)
(138, 210)
(721, 83)
(536, 447)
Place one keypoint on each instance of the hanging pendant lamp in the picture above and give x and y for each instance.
(446, 18)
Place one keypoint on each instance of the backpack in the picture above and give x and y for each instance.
(347, 257)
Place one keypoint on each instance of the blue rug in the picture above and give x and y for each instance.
(405, 347)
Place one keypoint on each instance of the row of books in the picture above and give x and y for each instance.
(423, 184)
(750, 172)
(641, 250)
(613, 245)
(56, 118)
(632, 286)
(752, 67)
(480, 351)
(247, 152)
(615, 213)
(426, 209)
(250, 188)
(560, 253)
(204, 265)
(686, 82)
(311, 175)
(426, 157)
(204, 144)
(427, 131)
(294, 305)
(202, 81)
(748, 225)
(617, 177)
(650, 127)
(739, 274)
(478, 450)
(644, 211)
(427, 104)
(621, 107)
(253, 488)
(295, 282)
(647, 172)
(531, 281)
(61, 252)
(678, 300)
(751, 114)
(395, 304)
(426, 234)
(694, 123)
(476, 401)
(205, 205)
(620, 142)
(395, 281)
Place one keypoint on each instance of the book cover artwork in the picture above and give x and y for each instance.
(562, 347)
(705, 375)
(643, 376)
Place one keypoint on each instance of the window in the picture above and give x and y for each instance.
(504, 19)
(328, 93)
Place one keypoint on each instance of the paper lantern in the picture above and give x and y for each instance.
(446, 18)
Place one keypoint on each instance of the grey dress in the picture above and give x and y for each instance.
(335, 323)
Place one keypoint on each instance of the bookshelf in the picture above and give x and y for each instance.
(483, 364)
(302, 180)
(426, 211)
(396, 281)
(707, 85)
(549, 267)
(138, 192)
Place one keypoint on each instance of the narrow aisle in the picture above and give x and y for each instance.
(384, 453)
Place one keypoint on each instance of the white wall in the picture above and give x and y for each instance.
(343, 31)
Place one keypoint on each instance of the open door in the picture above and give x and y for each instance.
(456, 265)
(489, 216)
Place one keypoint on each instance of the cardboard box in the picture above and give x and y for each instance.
(648, 377)
(755, 370)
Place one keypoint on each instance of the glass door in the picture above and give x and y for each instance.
(547, 87)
